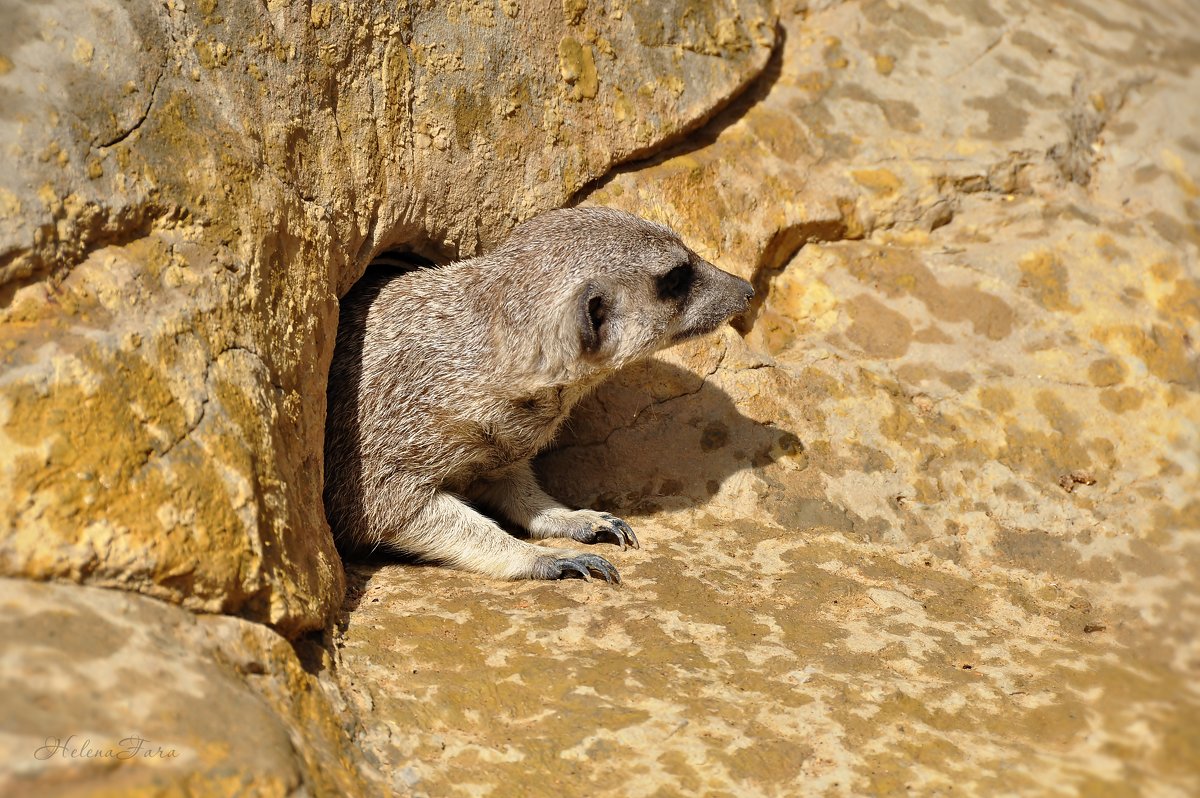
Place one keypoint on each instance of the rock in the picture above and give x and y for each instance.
(973, 228)
(191, 186)
(107, 692)
(926, 521)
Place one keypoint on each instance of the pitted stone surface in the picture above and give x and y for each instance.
(187, 189)
(104, 692)
(926, 523)
(929, 524)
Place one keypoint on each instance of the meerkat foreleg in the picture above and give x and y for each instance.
(448, 531)
(514, 493)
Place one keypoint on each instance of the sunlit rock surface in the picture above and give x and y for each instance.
(932, 523)
(104, 692)
(926, 522)
(188, 187)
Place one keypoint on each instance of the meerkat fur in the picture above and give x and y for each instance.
(445, 381)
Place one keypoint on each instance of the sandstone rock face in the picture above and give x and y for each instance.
(925, 522)
(930, 522)
(189, 186)
(112, 693)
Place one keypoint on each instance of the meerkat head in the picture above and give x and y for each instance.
(616, 288)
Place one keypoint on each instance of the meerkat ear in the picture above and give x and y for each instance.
(592, 316)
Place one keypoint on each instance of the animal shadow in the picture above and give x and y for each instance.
(656, 437)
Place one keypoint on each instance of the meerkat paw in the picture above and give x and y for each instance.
(514, 493)
(608, 529)
(585, 526)
(576, 566)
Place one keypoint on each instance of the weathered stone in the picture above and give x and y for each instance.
(110, 693)
(190, 186)
(930, 524)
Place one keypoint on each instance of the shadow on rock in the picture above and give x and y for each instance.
(657, 437)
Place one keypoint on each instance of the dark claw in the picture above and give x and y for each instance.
(586, 565)
(620, 531)
(627, 530)
(569, 569)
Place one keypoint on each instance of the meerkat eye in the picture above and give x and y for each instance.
(676, 283)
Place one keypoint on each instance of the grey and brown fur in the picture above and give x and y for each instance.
(447, 380)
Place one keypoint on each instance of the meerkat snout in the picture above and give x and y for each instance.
(446, 380)
(709, 297)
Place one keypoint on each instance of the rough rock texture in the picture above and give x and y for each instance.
(927, 523)
(932, 524)
(110, 693)
(189, 186)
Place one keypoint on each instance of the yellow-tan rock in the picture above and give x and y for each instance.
(925, 522)
(112, 693)
(929, 523)
(189, 188)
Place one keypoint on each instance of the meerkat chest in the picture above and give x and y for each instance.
(521, 428)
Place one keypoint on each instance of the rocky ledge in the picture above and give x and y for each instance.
(925, 521)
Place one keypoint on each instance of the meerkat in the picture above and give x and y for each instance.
(446, 380)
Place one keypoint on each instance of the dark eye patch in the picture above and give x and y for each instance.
(676, 283)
